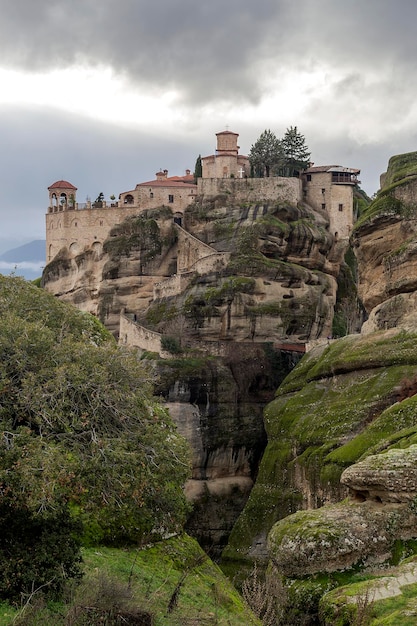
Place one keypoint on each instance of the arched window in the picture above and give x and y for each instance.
(97, 248)
(129, 199)
(62, 201)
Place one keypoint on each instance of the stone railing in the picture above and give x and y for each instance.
(137, 336)
(172, 286)
(134, 335)
(82, 206)
(212, 263)
(177, 283)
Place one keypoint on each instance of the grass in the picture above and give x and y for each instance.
(7, 613)
(398, 610)
(174, 581)
(393, 611)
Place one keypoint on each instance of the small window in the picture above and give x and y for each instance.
(151, 194)
(323, 190)
(340, 207)
(309, 178)
(170, 199)
(323, 206)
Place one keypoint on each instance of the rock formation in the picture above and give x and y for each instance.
(385, 244)
(344, 423)
(234, 294)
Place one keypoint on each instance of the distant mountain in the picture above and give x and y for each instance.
(27, 260)
(32, 251)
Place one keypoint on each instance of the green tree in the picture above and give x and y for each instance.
(266, 154)
(296, 154)
(81, 437)
(98, 202)
(198, 169)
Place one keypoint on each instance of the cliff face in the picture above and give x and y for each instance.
(344, 422)
(137, 254)
(385, 243)
(341, 400)
(286, 253)
(251, 280)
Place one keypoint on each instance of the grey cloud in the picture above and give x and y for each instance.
(43, 145)
(212, 50)
(205, 50)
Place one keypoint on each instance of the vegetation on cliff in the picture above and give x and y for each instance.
(388, 204)
(341, 402)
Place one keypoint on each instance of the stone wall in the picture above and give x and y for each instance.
(190, 250)
(137, 336)
(341, 210)
(213, 263)
(134, 335)
(225, 166)
(253, 189)
(177, 283)
(172, 286)
(80, 229)
(177, 197)
(335, 199)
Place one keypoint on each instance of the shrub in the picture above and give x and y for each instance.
(171, 344)
(36, 551)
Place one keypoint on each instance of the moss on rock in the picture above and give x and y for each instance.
(338, 404)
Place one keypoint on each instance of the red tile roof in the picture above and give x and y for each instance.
(188, 178)
(62, 184)
(227, 132)
(330, 168)
(172, 181)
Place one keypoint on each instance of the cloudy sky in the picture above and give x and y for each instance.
(104, 93)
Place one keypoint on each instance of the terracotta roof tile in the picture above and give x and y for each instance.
(62, 184)
(172, 181)
(227, 132)
(331, 168)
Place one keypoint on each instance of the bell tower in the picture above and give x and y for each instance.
(62, 196)
(227, 142)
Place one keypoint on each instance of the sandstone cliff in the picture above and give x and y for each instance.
(344, 422)
(385, 243)
(251, 282)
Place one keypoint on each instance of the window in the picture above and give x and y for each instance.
(323, 190)
(170, 198)
(323, 206)
(309, 178)
(151, 194)
(340, 207)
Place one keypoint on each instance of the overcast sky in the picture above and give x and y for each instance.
(104, 93)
